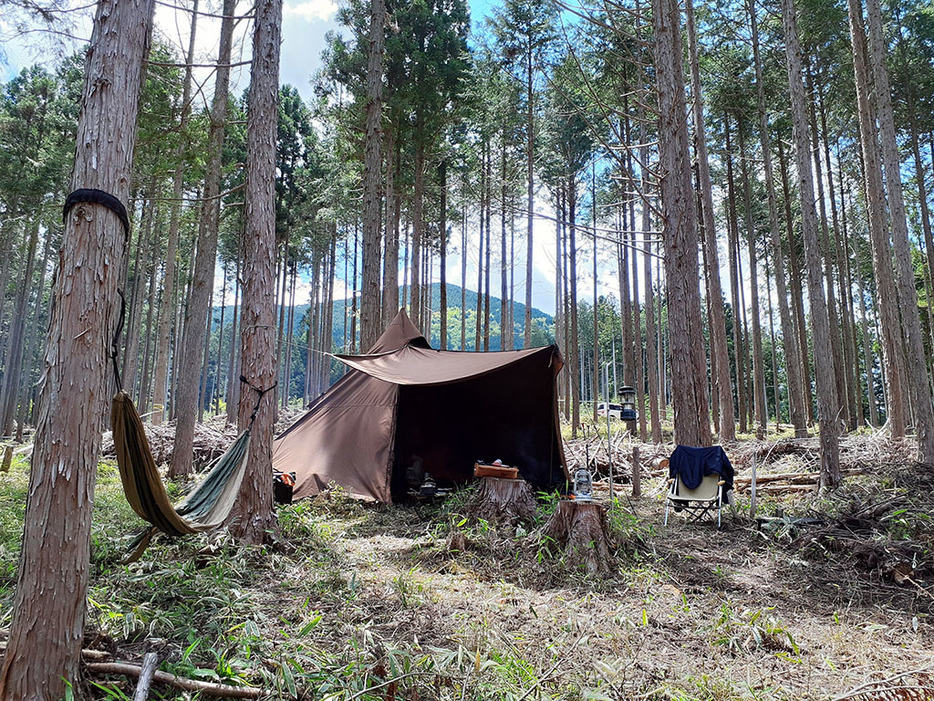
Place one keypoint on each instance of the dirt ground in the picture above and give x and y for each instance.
(691, 611)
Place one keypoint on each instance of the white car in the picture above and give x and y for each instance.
(616, 410)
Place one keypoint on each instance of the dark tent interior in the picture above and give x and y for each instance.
(500, 415)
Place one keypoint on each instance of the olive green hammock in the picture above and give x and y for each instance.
(205, 508)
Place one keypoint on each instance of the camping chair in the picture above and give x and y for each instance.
(697, 503)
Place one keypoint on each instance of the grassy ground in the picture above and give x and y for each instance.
(361, 602)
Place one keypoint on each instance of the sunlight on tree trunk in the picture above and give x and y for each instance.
(47, 631)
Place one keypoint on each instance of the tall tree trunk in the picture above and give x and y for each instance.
(289, 337)
(370, 326)
(167, 312)
(850, 365)
(718, 340)
(924, 211)
(34, 369)
(353, 293)
(205, 368)
(505, 329)
(637, 336)
(688, 361)
(892, 349)
(443, 263)
(391, 247)
(43, 651)
(595, 370)
(774, 355)
(919, 382)
(530, 196)
(233, 364)
(142, 270)
(220, 343)
(625, 310)
(144, 388)
(797, 296)
(868, 356)
(739, 345)
(560, 311)
(253, 515)
(794, 367)
(489, 246)
(820, 324)
(651, 334)
(826, 248)
(418, 229)
(327, 321)
(572, 285)
(564, 260)
(9, 391)
(758, 363)
(464, 272)
(478, 320)
(202, 286)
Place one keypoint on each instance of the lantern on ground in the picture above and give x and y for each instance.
(627, 398)
(583, 487)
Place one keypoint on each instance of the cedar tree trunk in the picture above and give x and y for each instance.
(370, 292)
(827, 402)
(44, 648)
(253, 515)
(679, 224)
(202, 286)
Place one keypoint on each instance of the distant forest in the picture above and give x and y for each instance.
(345, 335)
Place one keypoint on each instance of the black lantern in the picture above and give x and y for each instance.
(627, 397)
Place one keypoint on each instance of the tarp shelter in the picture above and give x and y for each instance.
(451, 408)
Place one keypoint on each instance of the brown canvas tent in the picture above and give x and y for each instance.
(450, 408)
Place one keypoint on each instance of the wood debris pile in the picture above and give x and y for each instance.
(856, 452)
(596, 454)
(888, 533)
(212, 439)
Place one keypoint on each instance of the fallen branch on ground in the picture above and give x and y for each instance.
(206, 688)
(885, 685)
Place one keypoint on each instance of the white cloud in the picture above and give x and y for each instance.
(311, 10)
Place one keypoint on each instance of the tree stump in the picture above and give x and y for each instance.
(502, 502)
(580, 530)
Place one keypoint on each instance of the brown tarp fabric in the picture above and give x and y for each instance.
(450, 408)
(425, 366)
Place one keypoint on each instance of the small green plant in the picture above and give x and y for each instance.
(406, 588)
(753, 629)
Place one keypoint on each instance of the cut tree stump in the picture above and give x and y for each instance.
(579, 529)
(502, 502)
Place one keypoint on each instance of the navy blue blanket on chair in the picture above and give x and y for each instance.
(693, 464)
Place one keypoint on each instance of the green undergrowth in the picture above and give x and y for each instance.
(13, 488)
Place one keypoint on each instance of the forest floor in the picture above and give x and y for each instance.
(365, 602)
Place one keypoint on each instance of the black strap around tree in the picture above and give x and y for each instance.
(259, 399)
(87, 194)
(115, 346)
